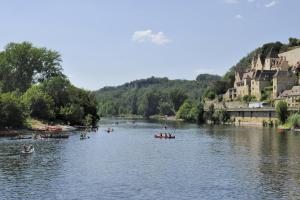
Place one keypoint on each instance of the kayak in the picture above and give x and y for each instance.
(27, 151)
(164, 137)
(84, 137)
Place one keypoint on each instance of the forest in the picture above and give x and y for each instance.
(32, 85)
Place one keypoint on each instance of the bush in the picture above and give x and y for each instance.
(294, 120)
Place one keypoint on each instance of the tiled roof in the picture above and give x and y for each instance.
(264, 74)
(295, 91)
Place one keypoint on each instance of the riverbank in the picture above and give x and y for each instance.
(38, 126)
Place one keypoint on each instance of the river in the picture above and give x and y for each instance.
(221, 162)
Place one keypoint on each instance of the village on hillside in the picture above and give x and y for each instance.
(270, 79)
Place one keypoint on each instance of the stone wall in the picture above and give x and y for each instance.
(292, 56)
(254, 116)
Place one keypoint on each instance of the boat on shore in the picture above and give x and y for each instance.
(55, 136)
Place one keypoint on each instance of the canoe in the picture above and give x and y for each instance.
(53, 136)
(21, 138)
(164, 137)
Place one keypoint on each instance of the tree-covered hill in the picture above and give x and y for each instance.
(152, 95)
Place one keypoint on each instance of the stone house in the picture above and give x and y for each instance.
(292, 96)
(261, 80)
(283, 80)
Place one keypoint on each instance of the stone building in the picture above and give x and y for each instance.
(261, 80)
(292, 96)
(283, 80)
(275, 72)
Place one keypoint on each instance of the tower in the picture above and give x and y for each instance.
(271, 59)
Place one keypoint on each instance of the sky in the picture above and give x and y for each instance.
(110, 42)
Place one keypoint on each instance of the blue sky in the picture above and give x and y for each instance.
(111, 42)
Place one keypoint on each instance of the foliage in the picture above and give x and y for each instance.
(21, 64)
(184, 110)
(223, 116)
(40, 89)
(282, 111)
(249, 98)
(38, 104)
(166, 108)
(72, 114)
(177, 97)
(294, 120)
(210, 94)
(191, 111)
(12, 113)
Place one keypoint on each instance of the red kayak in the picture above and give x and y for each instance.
(164, 137)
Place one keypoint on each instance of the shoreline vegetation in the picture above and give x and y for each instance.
(33, 86)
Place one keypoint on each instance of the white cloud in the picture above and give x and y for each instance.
(271, 4)
(238, 16)
(231, 1)
(148, 36)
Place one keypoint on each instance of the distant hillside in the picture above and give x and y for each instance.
(165, 95)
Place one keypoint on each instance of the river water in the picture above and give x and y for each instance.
(220, 162)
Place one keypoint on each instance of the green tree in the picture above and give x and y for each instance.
(177, 97)
(282, 111)
(38, 104)
(72, 114)
(165, 108)
(149, 104)
(88, 120)
(185, 110)
(22, 64)
(11, 111)
(197, 112)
